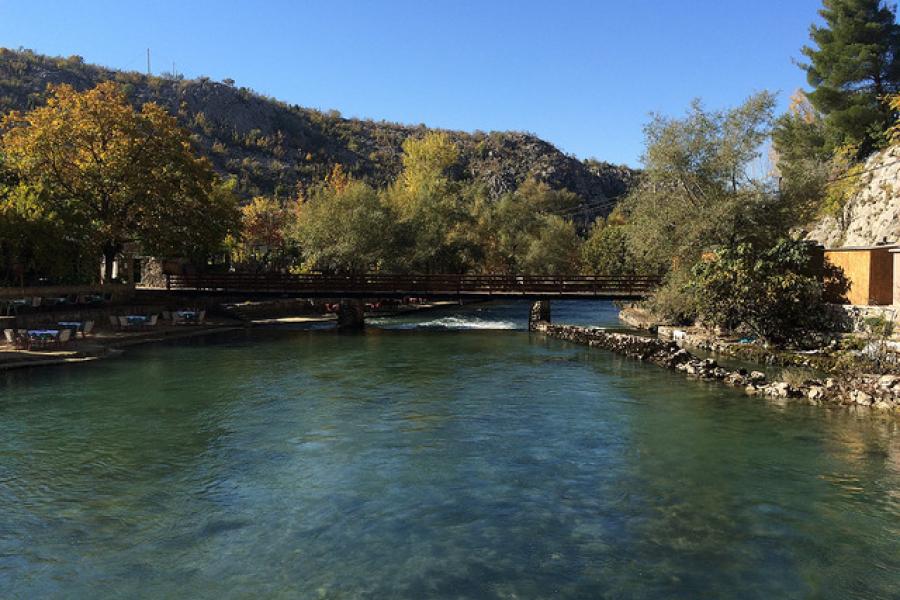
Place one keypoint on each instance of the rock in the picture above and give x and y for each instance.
(783, 389)
(861, 397)
(757, 376)
(888, 381)
(736, 379)
(871, 214)
(882, 405)
(681, 356)
(815, 392)
(720, 373)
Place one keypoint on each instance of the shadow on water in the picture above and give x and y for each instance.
(449, 461)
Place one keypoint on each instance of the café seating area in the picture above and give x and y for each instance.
(38, 339)
(43, 332)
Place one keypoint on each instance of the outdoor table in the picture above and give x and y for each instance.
(15, 305)
(186, 315)
(75, 326)
(43, 333)
(43, 336)
(136, 319)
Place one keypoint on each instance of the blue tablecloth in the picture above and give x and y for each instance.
(137, 319)
(43, 333)
(73, 325)
(186, 315)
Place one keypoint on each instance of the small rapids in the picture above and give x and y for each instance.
(449, 323)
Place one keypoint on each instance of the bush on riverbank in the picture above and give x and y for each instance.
(767, 292)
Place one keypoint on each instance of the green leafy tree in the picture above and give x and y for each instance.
(507, 228)
(769, 291)
(697, 191)
(555, 250)
(345, 227)
(853, 65)
(605, 251)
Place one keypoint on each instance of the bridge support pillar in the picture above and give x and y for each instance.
(351, 314)
(540, 313)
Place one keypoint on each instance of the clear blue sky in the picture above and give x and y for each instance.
(582, 74)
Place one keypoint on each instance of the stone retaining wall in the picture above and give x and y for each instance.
(870, 391)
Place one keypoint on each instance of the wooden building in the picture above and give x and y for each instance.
(869, 271)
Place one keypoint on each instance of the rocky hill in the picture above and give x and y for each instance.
(872, 215)
(272, 147)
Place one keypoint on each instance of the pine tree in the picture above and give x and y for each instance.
(854, 66)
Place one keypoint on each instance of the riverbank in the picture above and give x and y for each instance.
(881, 393)
(107, 343)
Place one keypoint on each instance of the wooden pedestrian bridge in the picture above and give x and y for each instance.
(380, 285)
(352, 290)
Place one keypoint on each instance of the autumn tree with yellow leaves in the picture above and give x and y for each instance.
(116, 175)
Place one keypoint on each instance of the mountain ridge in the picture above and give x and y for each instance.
(273, 147)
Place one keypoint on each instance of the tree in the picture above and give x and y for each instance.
(769, 291)
(605, 251)
(853, 65)
(696, 191)
(555, 250)
(264, 231)
(433, 208)
(112, 173)
(806, 160)
(507, 228)
(344, 227)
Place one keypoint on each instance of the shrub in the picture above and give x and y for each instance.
(769, 292)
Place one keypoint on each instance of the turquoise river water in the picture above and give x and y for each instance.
(445, 455)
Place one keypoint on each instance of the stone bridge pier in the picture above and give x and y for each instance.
(351, 314)
(540, 313)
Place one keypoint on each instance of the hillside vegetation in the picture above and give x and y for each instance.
(271, 147)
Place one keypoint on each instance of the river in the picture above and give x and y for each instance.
(440, 455)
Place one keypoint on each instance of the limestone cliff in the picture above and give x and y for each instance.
(873, 214)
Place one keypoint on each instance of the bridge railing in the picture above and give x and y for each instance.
(383, 283)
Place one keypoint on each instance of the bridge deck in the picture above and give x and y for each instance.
(432, 286)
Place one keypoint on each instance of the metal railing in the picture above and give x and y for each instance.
(375, 284)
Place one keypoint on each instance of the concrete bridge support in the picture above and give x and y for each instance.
(540, 313)
(351, 315)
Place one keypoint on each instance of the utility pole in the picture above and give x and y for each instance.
(148, 61)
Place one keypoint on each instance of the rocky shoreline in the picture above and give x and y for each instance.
(881, 393)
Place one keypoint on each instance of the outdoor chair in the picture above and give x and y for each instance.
(167, 315)
(64, 336)
(151, 322)
(87, 328)
(114, 322)
(10, 336)
(123, 323)
(201, 318)
(20, 340)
